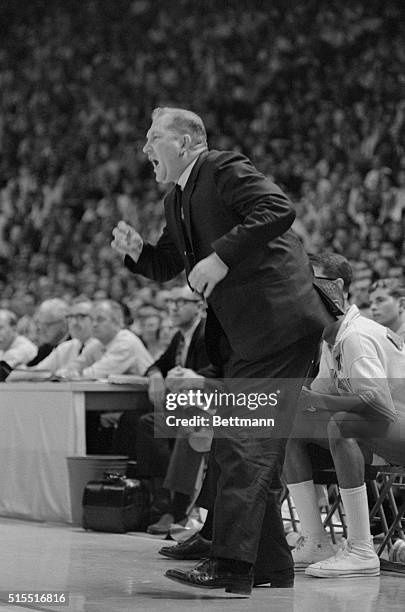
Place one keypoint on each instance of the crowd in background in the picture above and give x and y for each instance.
(312, 94)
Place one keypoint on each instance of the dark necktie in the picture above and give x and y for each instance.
(178, 359)
(185, 232)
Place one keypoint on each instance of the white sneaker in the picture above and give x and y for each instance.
(309, 550)
(359, 559)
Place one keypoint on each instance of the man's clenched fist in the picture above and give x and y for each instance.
(127, 241)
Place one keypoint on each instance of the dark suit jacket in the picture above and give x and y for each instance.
(196, 355)
(267, 300)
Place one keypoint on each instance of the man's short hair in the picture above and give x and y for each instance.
(394, 289)
(54, 308)
(333, 266)
(184, 121)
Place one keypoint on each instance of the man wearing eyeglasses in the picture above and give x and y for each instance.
(80, 329)
(122, 352)
(51, 322)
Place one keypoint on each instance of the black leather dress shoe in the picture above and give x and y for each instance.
(208, 575)
(192, 549)
(282, 579)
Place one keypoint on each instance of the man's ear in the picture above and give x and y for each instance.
(186, 143)
(402, 304)
(340, 283)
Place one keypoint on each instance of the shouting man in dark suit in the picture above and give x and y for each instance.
(229, 226)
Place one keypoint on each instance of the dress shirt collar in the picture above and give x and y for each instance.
(186, 173)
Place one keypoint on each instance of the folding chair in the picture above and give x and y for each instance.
(391, 479)
(328, 477)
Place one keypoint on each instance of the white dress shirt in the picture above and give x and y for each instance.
(20, 352)
(125, 354)
(65, 353)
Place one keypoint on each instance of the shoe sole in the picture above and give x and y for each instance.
(184, 557)
(319, 573)
(228, 589)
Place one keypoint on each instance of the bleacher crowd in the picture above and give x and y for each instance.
(314, 95)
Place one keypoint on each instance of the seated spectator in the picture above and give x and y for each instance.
(142, 312)
(15, 349)
(80, 328)
(355, 407)
(119, 351)
(150, 334)
(387, 304)
(187, 348)
(27, 327)
(122, 351)
(52, 327)
(167, 331)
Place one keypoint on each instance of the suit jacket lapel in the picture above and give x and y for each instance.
(188, 191)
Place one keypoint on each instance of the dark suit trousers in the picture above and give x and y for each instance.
(152, 453)
(172, 458)
(184, 466)
(247, 520)
(125, 436)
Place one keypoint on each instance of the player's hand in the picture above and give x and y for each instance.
(127, 241)
(305, 400)
(182, 379)
(207, 274)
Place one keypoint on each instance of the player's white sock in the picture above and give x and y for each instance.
(356, 509)
(306, 503)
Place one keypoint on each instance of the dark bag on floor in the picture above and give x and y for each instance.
(116, 504)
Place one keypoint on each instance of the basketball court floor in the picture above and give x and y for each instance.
(104, 572)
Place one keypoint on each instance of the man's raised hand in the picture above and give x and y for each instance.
(127, 241)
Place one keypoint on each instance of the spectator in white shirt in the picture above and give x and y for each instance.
(15, 350)
(122, 351)
(80, 328)
(52, 327)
